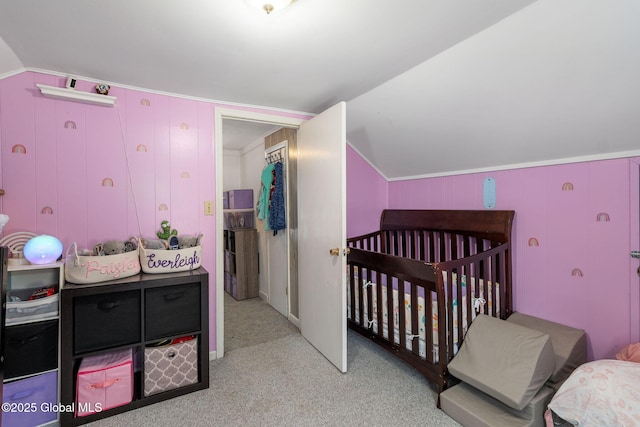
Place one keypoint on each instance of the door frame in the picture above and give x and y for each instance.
(634, 233)
(221, 113)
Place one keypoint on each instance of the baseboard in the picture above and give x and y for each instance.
(264, 296)
(213, 355)
(293, 319)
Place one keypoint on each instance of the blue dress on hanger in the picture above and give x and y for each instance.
(277, 213)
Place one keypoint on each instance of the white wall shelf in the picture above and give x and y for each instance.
(76, 95)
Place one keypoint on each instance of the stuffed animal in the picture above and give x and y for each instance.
(187, 242)
(102, 88)
(166, 231)
(154, 243)
(113, 247)
(130, 245)
(98, 249)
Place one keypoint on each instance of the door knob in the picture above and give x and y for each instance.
(336, 251)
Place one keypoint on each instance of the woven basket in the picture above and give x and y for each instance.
(83, 269)
(155, 261)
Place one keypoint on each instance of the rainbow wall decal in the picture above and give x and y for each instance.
(163, 207)
(47, 211)
(19, 149)
(107, 182)
(185, 175)
(567, 186)
(533, 242)
(141, 148)
(145, 102)
(603, 217)
(184, 126)
(70, 124)
(576, 272)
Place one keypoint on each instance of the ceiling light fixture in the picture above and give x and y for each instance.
(269, 6)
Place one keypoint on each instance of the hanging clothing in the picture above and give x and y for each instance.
(266, 181)
(277, 212)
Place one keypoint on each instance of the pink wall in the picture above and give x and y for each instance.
(366, 195)
(572, 236)
(91, 173)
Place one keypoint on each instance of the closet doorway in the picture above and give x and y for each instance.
(248, 148)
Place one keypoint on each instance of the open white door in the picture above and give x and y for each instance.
(322, 227)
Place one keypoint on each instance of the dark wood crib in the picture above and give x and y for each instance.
(450, 265)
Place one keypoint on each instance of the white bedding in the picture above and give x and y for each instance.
(600, 393)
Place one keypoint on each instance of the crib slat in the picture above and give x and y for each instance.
(488, 286)
(415, 315)
(352, 289)
(402, 332)
(429, 326)
(382, 280)
(391, 281)
(363, 273)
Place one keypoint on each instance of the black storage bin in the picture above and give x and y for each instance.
(31, 348)
(172, 310)
(106, 320)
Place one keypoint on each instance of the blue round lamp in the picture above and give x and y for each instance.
(43, 249)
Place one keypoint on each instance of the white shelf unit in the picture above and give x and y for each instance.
(76, 95)
(32, 343)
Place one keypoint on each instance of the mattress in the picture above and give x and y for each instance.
(479, 303)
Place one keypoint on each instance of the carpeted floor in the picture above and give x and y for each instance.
(284, 381)
(252, 321)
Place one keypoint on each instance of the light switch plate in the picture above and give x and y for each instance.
(208, 207)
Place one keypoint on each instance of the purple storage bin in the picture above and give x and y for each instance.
(225, 200)
(35, 400)
(240, 199)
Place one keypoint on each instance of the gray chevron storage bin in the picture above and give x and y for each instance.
(170, 366)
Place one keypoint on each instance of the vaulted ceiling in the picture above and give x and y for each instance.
(432, 86)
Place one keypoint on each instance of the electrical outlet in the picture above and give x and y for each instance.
(208, 207)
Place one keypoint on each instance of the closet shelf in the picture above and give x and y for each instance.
(76, 95)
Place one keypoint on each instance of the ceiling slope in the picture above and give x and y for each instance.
(555, 82)
(306, 58)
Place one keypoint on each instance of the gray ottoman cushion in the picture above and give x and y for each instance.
(471, 407)
(569, 344)
(508, 362)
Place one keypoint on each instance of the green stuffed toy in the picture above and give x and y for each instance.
(165, 231)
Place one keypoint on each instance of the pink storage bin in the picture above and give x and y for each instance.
(104, 382)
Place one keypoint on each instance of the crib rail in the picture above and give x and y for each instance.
(368, 270)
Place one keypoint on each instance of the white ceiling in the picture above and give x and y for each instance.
(432, 86)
